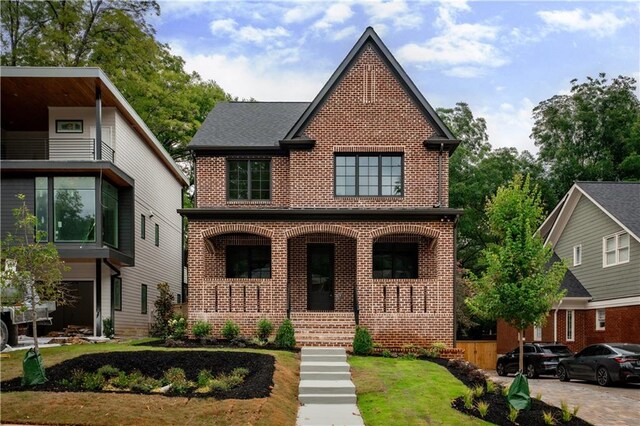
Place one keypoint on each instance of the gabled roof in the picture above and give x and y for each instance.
(370, 36)
(618, 200)
(570, 283)
(247, 124)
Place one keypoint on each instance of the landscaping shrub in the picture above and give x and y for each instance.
(362, 342)
(108, 371)
(435, 350)
(107, 328)
(178, 327)
(201, 329)
(178, 380)
(163, 311)
(230, 330)
(386, 353)
(93, 382)
(204, 377)
(483, 408)
(265, 328)
(286, 337)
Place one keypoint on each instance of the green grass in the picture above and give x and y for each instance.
(398, 391)
(279, 408)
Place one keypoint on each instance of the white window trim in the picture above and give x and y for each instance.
(615, 236)
(577, 260)
(537, 333)
(573, 325)
(598, 328)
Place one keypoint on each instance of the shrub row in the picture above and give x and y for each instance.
(285, 335)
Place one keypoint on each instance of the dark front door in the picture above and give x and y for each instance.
(320, 277)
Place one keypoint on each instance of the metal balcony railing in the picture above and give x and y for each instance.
(53, 149)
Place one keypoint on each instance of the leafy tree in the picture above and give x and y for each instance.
(115, 36)
(518, 285)
(33, 271)
(591, 133)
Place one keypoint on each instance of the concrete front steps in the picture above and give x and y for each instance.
(326, 392)
(325, 377)
(326, 329)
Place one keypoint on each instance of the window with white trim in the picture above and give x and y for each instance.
(537, 333)
(577, 255)
(600, 319)
(570, 325)
(615, 249)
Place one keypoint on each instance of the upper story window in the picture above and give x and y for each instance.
(368, 175)
(109, 214)
(615, 249)
(248, 180)
(74, 209)
(395, 260)
(577, 255)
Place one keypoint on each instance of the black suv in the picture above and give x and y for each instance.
(539, 358)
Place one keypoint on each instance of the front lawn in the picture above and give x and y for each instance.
(406, 392)
(125, 408)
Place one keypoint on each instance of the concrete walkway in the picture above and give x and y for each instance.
(326, 392)
(611, 406)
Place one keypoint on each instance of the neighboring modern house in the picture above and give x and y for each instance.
(108, 202)
(596, 229)
(332, 213)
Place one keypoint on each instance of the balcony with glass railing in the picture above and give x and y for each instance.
(54, 149)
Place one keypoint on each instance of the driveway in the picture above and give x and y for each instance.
(611, 406)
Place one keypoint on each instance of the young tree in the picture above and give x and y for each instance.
(33, 270)
(518, 284)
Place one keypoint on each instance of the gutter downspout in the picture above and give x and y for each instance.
(440, 175)
(555, 323)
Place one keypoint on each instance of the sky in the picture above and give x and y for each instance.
(501, 57)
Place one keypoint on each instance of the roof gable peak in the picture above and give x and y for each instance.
(369, 37)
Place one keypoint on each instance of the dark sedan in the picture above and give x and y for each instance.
(539, 358)
(603, 363)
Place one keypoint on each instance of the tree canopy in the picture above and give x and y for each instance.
(116, 36)
(591, 133)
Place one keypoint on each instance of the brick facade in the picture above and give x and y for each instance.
(385, 119)
(622, 325)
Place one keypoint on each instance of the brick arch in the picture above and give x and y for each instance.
(321, 228)
(234, 228)
(424, 231)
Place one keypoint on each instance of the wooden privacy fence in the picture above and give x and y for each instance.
(482, 353)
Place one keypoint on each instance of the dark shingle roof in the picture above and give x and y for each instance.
(571, 283)
(620, 199)
(247, 124)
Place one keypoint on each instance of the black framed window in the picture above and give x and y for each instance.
(157, 235)
(143, 299)
(143, 226)
(110, 201)
(368, 175)
(117, 293)
(248, 261)
(395, 260)
(249, 179)
(42, 207)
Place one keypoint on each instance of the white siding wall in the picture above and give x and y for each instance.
(157, 191)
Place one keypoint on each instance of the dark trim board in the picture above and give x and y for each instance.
(67, 167)
(390, 215)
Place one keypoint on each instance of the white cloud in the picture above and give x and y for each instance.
(395, 11)
(344, 33)
(223, 25)
(261, 77)
(302, 13)
(247, 33)
(510, 125)
(336, 14)
(600, 24)
(462, 50)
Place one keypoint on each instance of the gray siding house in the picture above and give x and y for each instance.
(595, 229)
(102, 187)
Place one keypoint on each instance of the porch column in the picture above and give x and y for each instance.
(279, 269)
(364, 283)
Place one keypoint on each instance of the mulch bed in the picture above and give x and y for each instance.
(498, 412)
(212, 343)
(257, 384)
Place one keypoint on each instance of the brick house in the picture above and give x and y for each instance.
(596, 229)
(332, 213)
